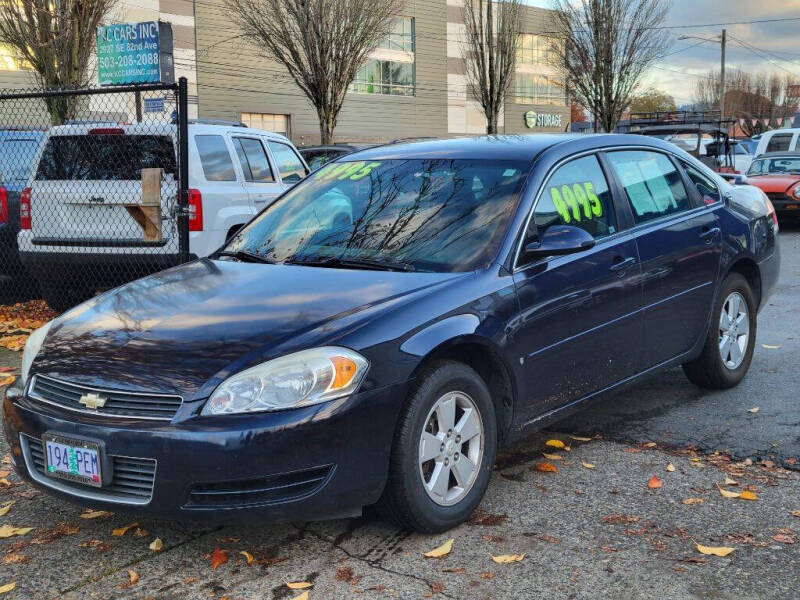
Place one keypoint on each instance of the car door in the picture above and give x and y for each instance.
(288, 163)
(679, 243)
(578, 329)
(260, 180)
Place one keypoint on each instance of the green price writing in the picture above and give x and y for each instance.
(350, 170)
(576, 202)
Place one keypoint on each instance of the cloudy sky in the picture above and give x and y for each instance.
(756, 47)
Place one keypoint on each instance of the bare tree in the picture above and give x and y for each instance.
(56, 37)
(490, 52)
(750, 96)
(609, 45)
(321, 43)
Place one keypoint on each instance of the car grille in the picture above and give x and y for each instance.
(118, 404)
(266, 490)
(131, 478)
(778, 196)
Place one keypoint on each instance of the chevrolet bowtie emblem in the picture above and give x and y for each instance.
(93, 401)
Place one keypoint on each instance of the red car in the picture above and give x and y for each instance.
(778, 175)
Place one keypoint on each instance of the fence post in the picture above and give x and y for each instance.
(183, 151)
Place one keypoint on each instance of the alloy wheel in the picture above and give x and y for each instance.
(451, 448)
(734, 331)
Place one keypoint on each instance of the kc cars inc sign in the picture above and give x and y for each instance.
(135, 53)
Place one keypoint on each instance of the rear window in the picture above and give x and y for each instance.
(779, 142)
(105, 157)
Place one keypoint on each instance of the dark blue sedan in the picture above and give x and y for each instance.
(377, 333)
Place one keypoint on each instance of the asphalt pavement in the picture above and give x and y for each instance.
(592, 528)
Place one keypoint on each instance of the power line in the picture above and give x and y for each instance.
(761, 54)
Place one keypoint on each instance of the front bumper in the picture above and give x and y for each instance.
(326, 461)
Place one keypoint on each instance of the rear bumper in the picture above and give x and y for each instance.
(319, 462)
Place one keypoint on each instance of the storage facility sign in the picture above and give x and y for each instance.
(130, 53)
(534, 119)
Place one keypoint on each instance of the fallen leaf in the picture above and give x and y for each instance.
(7, 531)
(344, 574)
(545, 467)
(487, 575)
(588, 465)
(692, 501)
(303, 596)
(654, 483)
(748, 495)
(139, 532)
(769, 347)
(729, 481)
(298, 585)
(670, 468)
(796, 513)
(95, 514)
(581, 439)
(486, 519)
(552, 456)
(727, 493)
(753, 410)
(632, 450)
(134, 576)
(508, 558)
(4, 589)
(15, 559)
(784, 538)
(441, 551)
(5, 482)
(7, 380)
(120, 531)
(650, 445)
(247, 556)
(156, 545)
(715, 550)
(5, 507)
(5, 473)
(219, 557)
(555, 444)
(437, 587)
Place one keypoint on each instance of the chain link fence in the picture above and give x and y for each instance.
(93, 189)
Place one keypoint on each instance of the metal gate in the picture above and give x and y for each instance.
(93, 189)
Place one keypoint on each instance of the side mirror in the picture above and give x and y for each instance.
(560, 239)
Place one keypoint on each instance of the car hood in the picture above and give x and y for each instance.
(776, 184)
(173, 331)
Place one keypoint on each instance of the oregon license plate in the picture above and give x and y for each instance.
(75, 460)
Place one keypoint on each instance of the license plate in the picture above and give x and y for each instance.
(75, 460)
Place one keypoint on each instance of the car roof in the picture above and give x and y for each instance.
(160, 128)
(506, 147)
(778, 155)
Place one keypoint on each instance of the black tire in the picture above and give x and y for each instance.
(405, 500)
(62, 298)
(708, 370)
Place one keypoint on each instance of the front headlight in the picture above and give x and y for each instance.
(32, 347)
(796, 191)
(299, 379)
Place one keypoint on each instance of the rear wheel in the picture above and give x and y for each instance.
(443, 450)
(729, 346)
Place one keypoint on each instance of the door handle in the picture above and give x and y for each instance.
(709, 234)
(622, 264)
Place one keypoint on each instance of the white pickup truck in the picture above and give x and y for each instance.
(76, 235)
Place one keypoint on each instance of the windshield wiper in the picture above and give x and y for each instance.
(245, 256)
(352, 263)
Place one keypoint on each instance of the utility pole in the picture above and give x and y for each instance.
(722, 81)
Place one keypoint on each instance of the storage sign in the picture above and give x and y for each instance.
(534, 119)
(129, 53)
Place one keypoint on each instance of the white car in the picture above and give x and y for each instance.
(77, 236)
(778, 140)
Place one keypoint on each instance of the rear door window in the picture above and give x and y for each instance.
(105, 157)
(779, 142)
(288, 162)
(652, 183)
(215, 158)
(253, 159)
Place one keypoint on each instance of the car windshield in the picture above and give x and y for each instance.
(426, 214)
(777, 165)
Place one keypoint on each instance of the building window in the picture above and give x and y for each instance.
(401, 37)
(534, 49)
(268, 122)
(385, 77)
(540, 89)
(11, 60)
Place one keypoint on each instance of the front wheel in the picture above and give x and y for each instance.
(731, 338)
(443, 450)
